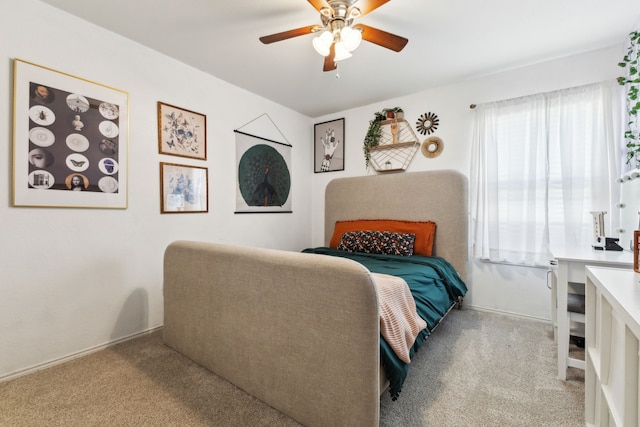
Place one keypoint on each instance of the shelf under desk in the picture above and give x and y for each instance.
(570, 269)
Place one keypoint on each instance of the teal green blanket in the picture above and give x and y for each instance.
(435, 286)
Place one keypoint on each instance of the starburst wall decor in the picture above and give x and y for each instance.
(427, 123)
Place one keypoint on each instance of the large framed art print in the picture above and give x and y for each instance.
(70, 140)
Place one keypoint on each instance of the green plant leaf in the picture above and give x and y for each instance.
(632, 83)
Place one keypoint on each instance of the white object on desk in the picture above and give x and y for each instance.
(599, 238)
(571, 269)
(612, 346)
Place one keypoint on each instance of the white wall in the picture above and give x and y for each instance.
(519, 290)
(74, 279)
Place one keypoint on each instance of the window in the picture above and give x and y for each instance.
(540, 165)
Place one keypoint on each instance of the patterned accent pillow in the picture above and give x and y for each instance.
(425, 231)
(378, 242)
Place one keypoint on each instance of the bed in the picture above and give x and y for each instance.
(301, 331)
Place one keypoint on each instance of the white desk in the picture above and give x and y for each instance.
(571, 268)
(612, 346)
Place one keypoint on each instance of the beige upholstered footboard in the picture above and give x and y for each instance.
(309, 348)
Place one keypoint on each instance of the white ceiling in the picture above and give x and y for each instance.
(449, 41)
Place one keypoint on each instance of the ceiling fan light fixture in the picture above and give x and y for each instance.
(338, 35)
(341, 52)
(351, 38)
(322, 43)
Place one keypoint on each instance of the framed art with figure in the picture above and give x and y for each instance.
(328, 140)
(70, 140)
(183, 189)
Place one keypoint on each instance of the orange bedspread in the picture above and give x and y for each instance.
(399, 321)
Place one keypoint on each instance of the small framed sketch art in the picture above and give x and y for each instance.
(183, 189)
(328, 140)
(181, 132)
(70, 140)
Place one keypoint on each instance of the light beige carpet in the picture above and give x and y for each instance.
(477, 369)
(486, 369)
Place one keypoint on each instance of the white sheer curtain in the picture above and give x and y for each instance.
(540, 165)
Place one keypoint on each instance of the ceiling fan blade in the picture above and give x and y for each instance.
(319, 4)
(367, 6)
(383, 38)
(329, 63)
(289, 34)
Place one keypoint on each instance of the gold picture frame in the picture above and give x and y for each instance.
(183, 188)
(181, 132)
(70, 140)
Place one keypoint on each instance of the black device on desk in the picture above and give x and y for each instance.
(610, 244)
(600, 242)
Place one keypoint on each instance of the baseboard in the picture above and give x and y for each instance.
(61, 360)
(508, 313)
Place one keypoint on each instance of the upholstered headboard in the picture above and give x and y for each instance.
(438, 196)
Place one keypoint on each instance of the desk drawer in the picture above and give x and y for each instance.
(576, 272)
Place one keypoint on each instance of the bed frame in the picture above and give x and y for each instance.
(301, 331)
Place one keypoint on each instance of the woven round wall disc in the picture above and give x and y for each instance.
(432, 147)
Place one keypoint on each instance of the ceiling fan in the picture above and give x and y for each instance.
(338, 36)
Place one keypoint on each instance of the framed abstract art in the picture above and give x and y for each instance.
(183, 189)
(181, 132)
